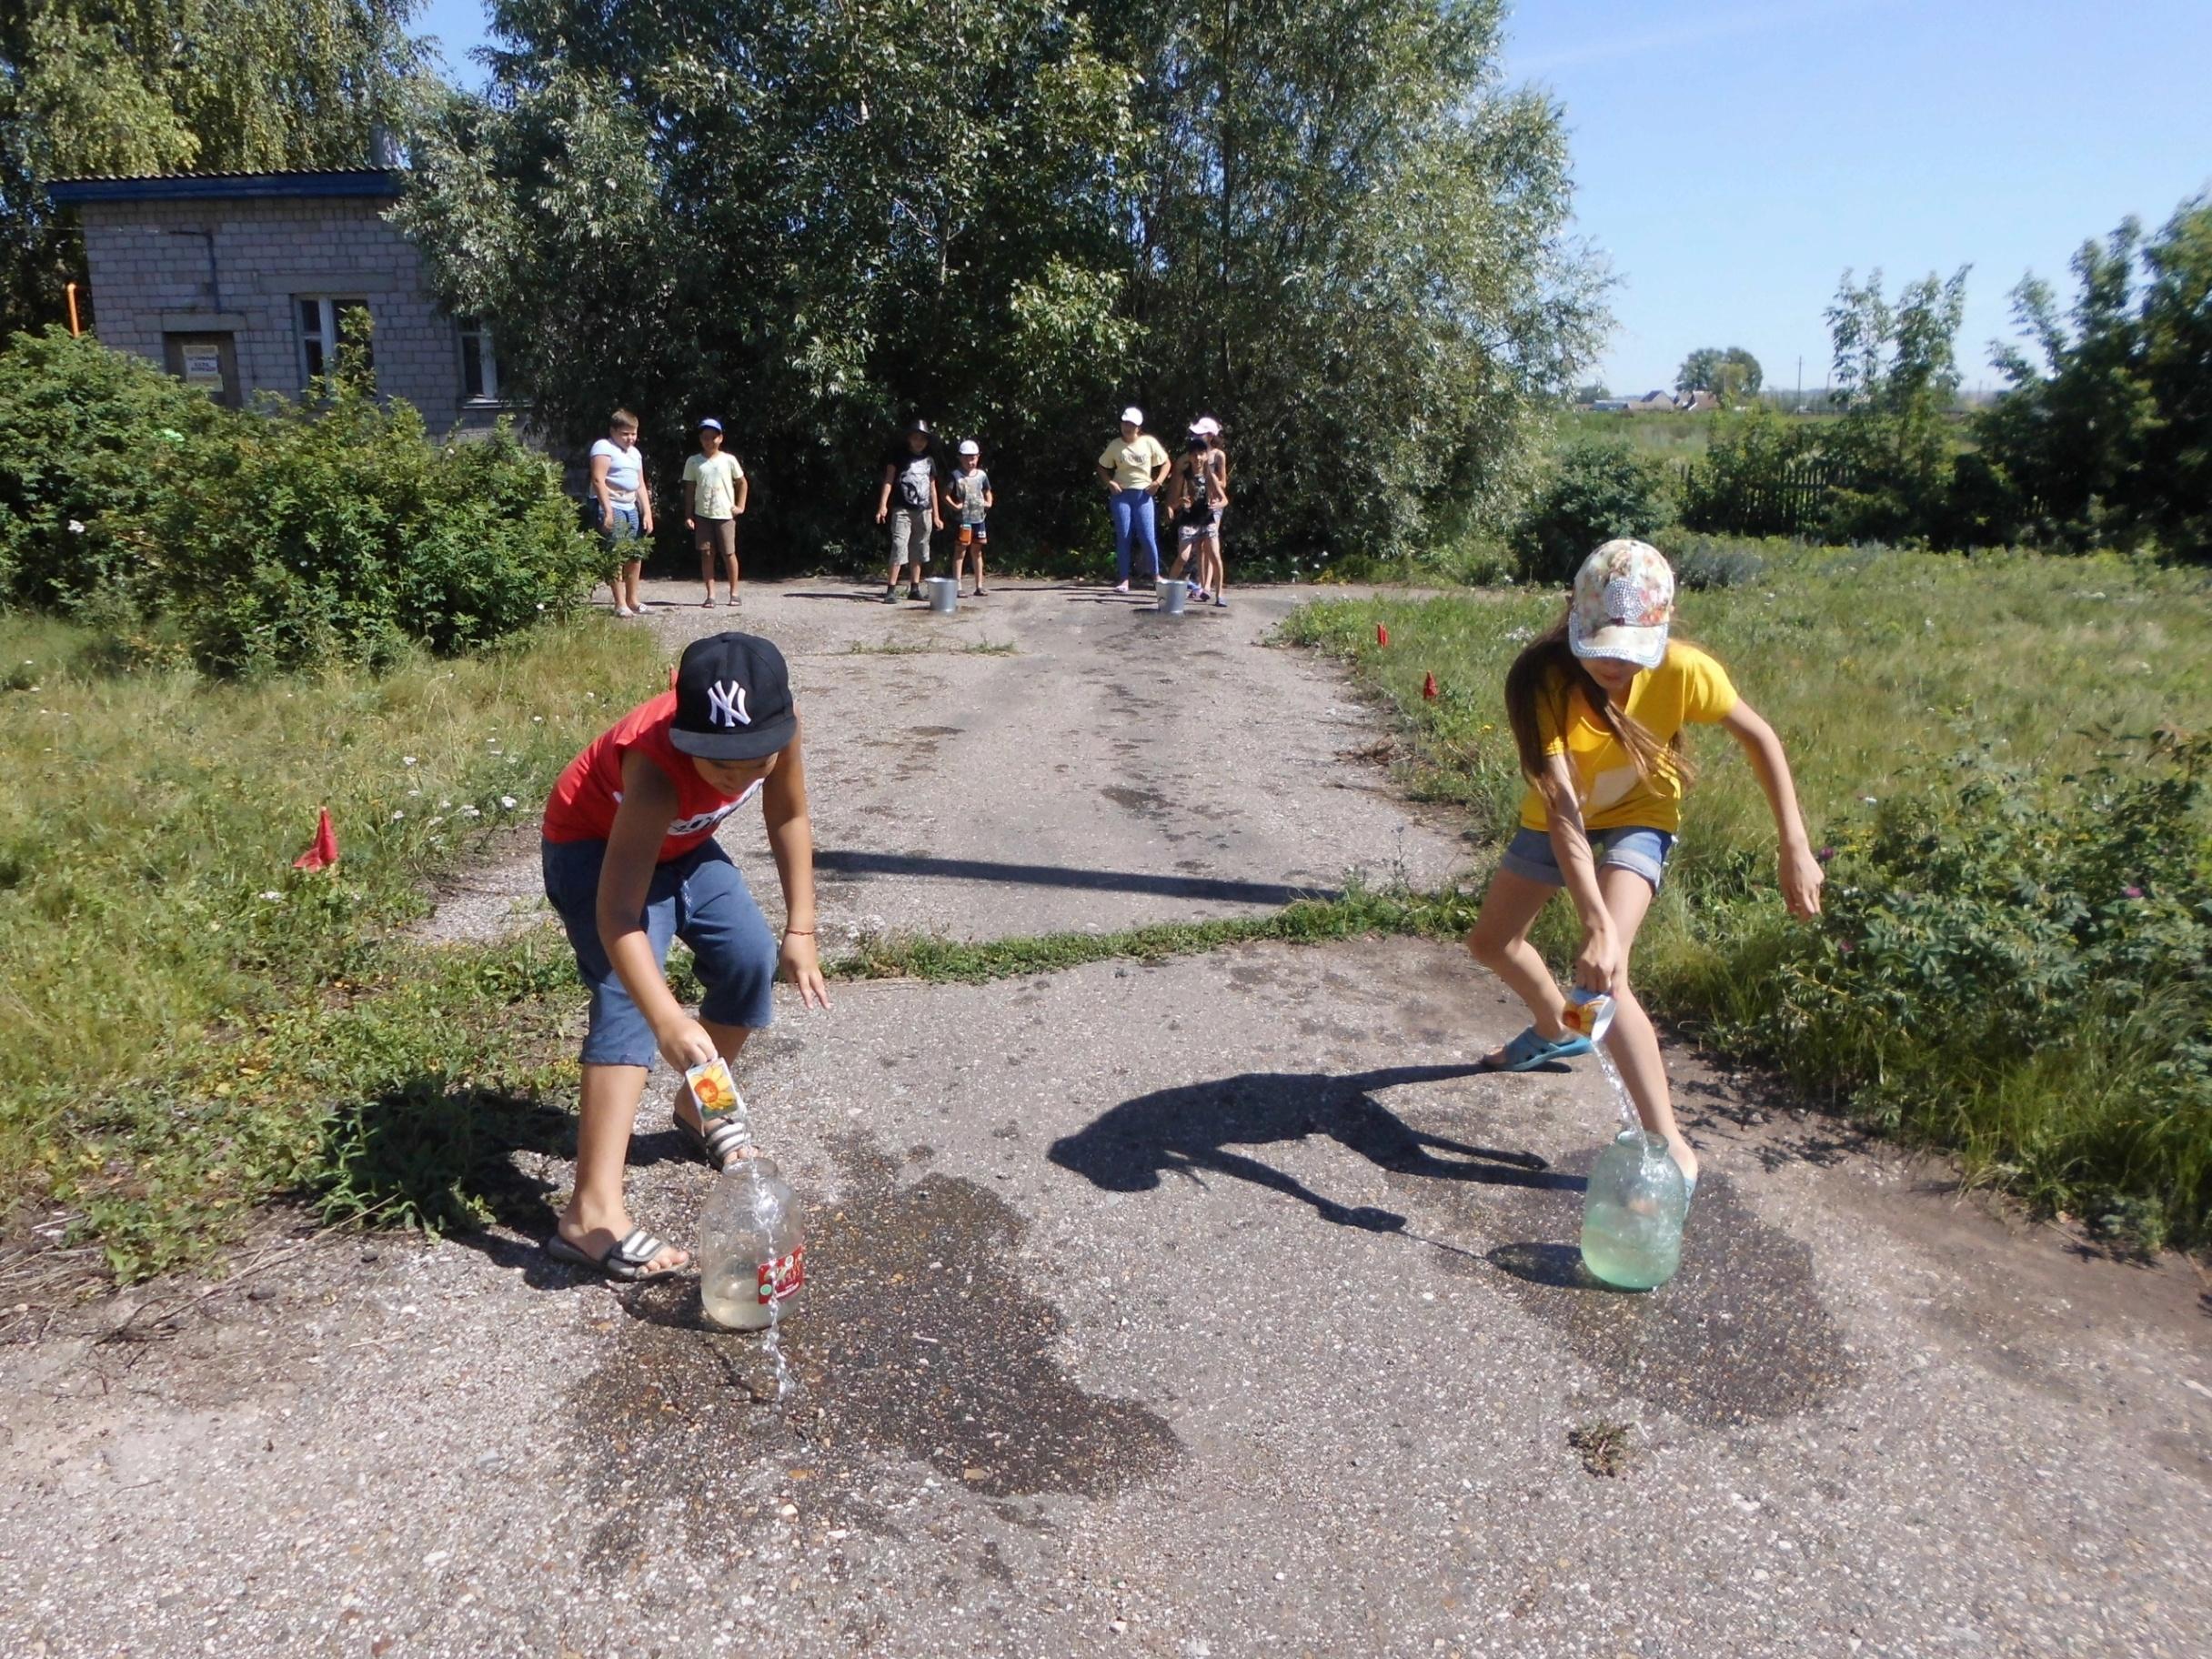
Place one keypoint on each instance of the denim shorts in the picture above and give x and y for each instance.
(622, 526)
(700, 898)
(1529, 854)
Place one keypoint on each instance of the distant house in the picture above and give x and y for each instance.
(1699, 402)
(239, 282)
(1652, 403)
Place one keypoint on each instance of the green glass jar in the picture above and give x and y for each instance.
(1633, 1216)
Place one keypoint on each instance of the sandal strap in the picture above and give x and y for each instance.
(1530, 1044)
(724, 1138)
(629, 1258)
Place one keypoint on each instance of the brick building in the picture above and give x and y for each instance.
(240, 282)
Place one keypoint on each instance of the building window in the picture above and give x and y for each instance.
(479, 368)
(322, 331)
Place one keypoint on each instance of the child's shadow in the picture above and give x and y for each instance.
(1189, 1130)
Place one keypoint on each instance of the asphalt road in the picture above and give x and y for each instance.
(1046, 758)
(1210, 1308)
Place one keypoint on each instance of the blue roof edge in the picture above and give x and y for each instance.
(223, 187)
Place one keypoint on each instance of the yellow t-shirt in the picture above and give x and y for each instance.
(1688, 688)
(1132, 465)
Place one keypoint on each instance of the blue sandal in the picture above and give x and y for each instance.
(1533, 1048)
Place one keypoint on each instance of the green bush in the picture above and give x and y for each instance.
(339, 533)
(91, 436)
(331, 531)
(1742, 487)
(1598, 491)
(2024, 973)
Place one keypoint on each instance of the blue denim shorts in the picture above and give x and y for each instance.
(1529, 854)
(622, 526)
(700, 898)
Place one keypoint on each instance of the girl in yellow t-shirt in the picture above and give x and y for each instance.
(1597, 707)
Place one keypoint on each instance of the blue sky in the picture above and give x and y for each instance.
(1733, 158)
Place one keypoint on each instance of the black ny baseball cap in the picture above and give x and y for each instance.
(733, 698)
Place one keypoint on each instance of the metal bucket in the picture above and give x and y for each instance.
(944, 594)
(1171, 596)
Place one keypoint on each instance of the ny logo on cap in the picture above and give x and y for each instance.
(726, 704)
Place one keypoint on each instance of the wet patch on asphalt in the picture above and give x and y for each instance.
(915, 1340)
(1740, 1334)
(922, 1341)
(1144, 803)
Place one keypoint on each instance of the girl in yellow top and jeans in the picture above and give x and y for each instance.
(1597, 707)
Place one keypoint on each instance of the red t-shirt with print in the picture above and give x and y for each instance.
(582, 805)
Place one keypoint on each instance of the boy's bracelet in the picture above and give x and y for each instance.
(802, 933)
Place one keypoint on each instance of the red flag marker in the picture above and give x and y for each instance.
(1428, 687)
(1382, 635)
(325, 852)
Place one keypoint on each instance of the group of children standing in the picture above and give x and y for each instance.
(715, 490)
(1137, 473)
(1597, 707)
(916, 495)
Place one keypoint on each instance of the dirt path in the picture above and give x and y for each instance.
(1210, 1308)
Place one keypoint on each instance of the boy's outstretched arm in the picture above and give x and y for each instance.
(1800, 870)
(791, 837)
(625, 878)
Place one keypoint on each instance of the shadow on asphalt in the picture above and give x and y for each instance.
(1189, 1131)
(1060, 875)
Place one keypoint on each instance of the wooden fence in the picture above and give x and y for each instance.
(1793, 500)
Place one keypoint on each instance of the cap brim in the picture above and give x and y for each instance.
(750, 744)
(1644, 646)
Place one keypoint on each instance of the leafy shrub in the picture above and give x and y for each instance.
(1743, 485)
(91, 436)
(333, 531)
(1702, 563)
(339, 533)
(2025, 973)
(1596, 492)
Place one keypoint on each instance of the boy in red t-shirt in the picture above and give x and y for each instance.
(630, 864)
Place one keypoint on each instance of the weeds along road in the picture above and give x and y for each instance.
(1209, 1308)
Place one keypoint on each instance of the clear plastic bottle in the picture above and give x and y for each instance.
(1632, 1219)
(751, 1248)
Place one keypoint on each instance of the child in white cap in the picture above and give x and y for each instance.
(968, 499)
(1597, 707)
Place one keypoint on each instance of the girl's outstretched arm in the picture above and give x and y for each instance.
(791, 837)
(1598, 962)
(1801, 874)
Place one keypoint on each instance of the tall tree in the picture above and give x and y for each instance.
(819, 220)
(1327, 225)
(1730, 375)
(125, 86)
(1896, 373)
(1352, 245)
(2176, 330)
(2068, 435)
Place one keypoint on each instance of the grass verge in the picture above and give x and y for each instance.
(151, 925)
(2017, 962)
(1357, 914)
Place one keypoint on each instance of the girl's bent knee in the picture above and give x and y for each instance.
(1487, 949)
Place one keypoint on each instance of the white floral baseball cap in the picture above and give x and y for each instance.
(1624, 602)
